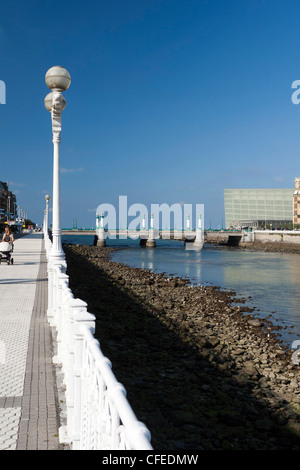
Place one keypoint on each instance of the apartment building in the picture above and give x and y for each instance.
(8, 202)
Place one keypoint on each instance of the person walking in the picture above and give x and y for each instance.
(8, 236)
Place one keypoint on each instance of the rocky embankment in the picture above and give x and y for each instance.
(278, 247)
(200, 371)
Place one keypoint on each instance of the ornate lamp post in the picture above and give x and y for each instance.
(45, 228)
(8, 209)
(47, 198)
(58, 80)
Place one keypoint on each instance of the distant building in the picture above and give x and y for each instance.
(259, 207)
(8, 202)
(296, 202)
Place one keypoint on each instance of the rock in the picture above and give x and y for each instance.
(280, 352)
(264, 424)
(250, 369)
(226, 445)
(231, 417)
(213, 341)
(293, 427)
(254, 322)
(294, 384)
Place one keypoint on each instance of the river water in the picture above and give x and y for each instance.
(269, 282)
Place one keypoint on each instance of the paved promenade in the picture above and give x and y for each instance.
(28, 399)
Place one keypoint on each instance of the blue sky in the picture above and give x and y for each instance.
(170, 101)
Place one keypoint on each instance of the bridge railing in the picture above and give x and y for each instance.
(98, 415)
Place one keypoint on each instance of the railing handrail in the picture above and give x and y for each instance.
(75, 339)
(137, 433)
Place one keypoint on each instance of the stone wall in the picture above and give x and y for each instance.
(264, 236)
(259, 239)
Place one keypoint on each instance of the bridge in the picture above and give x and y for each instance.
(135, 234)
(224, 237)
(171, 234)
(193, 239)
(181, 235)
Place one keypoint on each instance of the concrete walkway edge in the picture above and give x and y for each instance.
(39, 421)
(29, 405)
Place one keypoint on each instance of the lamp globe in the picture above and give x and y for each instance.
(48, 102)
(58, 78)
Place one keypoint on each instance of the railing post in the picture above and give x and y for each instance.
(67, 360)
(80, 317)
(61, 280)
(56, 270)
(68, 347)
(88, 320)
(50, 293)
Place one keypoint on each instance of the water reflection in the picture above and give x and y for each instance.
(147, 258)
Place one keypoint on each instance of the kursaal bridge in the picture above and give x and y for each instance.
(193, 239)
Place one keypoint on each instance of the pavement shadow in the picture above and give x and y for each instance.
(187, 402)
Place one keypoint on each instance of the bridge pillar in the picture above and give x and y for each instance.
(101, 235)
(199, 240)
(101, 242)
(151, 243)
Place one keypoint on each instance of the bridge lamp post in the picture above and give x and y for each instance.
(57, 80)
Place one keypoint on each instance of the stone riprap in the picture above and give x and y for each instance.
(200, 371)
(276, 247)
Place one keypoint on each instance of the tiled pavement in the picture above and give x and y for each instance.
(28, 399)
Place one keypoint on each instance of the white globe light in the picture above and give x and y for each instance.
(49, 100)
(58, 78)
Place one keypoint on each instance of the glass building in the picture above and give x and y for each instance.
(258, 207)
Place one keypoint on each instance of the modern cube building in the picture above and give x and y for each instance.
(296, 202)
(258, 207)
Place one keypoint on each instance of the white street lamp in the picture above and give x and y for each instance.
(46, 235)
(8, 209)
(58, 80)
(47, 198)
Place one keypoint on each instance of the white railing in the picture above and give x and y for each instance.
(98, 414)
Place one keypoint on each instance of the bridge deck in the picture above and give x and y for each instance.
(28, 401)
